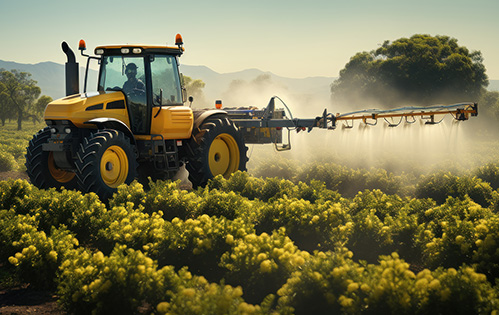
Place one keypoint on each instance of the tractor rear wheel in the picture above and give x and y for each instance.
(106, 159)
(218, 149)
(41, 167)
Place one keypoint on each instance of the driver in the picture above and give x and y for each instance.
(132, 84)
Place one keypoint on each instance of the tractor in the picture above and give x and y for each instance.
(137, 125)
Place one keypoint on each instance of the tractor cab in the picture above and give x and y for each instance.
(148, 76)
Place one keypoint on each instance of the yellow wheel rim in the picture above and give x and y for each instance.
(223, 157)
(114, 166)
(59, 175)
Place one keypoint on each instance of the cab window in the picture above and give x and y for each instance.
(165, 81)
(116, 71)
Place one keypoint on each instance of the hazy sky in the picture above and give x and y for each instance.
(289, 38)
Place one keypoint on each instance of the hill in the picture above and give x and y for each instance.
(49, 75)
(302, 91)
(50, 78)
(217, 83)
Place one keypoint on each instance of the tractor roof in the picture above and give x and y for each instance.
(138, 49)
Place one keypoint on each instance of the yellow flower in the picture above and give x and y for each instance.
(261, 256)
(13, 261)
(352, 287)
(52, 255)
(98, 256)
(315, 219)
(163, 307)
(266, 266)
(189, 292)
(365, 288)
(344, 301)
(298, 260)
(434, 284)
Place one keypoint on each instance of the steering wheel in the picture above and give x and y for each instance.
(137, 92)
(116, 88)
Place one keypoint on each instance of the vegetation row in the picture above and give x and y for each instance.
(248, 245)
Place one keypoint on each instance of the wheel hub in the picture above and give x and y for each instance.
(223, 156)
(114, 166)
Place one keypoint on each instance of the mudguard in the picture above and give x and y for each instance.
(112, 123)
(202, 115)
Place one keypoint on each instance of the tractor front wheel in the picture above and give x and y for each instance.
(218, 149)
(106, 159)
(41, 167)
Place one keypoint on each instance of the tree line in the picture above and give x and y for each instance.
(20, 97)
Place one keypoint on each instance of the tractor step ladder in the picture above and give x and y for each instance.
(165, 156)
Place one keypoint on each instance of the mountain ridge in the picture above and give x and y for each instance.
(50, 78)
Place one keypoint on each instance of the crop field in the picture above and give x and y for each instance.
(289, 237)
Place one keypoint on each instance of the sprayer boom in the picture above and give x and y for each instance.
(265, 126)
(461, 112)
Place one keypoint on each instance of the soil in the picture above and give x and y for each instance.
(13, 175)
(25, 300)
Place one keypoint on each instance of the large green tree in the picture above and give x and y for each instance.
(21, 92)
(419, 70)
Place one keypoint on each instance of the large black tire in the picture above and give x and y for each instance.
(218, 149)
(106, 159)
(41, 168)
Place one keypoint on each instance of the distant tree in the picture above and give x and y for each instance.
(41, 103)
(6, 110)
(194, 88)
(419, 70)
(21, 91)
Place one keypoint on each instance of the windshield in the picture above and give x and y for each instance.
(122, 73)
(128, 74)
(165, 80)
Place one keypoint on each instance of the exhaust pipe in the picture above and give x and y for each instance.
(72, 74)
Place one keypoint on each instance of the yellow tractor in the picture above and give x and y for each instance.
(136, 125)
